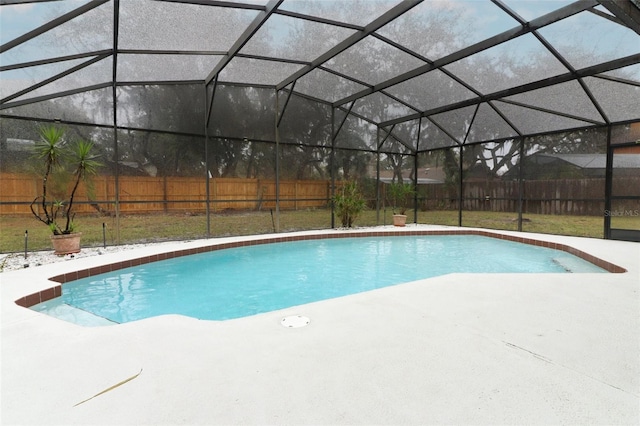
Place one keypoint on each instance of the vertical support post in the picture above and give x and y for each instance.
(460, 186)
(332, 166)
(206, 160)
(520, 182)
(415, 187)
(377, 175)
(104, 235)
(114, 94)
(26, 242)
(277, 131)
(208, 109)
(415, 177)
(608, 186)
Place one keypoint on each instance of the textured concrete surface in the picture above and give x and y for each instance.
(457, 349)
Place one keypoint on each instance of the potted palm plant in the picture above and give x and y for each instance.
(349, 203)
(61, 161)
(400, 194)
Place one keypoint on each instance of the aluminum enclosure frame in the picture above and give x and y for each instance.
(623, 13)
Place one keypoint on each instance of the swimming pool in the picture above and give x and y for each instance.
(244, 281)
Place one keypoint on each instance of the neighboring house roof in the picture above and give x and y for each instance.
(592, 161)
(433, 175)
(20, 144)
(421, 181)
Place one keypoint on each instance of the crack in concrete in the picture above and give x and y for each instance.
(547, 360)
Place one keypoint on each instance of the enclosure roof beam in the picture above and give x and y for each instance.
(445, 131)
(158, 83)
(173, 52)
(387, 132)
(253, 28)
(625, 11)
(400, 101)
(217, 3)
(456, 56)
(418, 140)
(619, 80)
(357, 115)
(473, 119)
(404, 143)
(54, 78)
(382, 20)
(344, 120)
(570, 67)
(286, 102)
(54, 60)
(56, 95)
(51, 24)
(606, 15)
(540, 22)
(506, 119)
(221, 83)
(272, 59)
(346, 77)
(423, 59)
(562, 78)
(594, 101)
(319, 20)
(506, 9)
(210, 102)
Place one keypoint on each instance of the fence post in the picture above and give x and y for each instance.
(165, 201)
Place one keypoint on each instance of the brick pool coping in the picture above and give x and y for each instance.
(56, 291)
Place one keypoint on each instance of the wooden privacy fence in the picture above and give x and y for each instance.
(146, 194)
(557, 196)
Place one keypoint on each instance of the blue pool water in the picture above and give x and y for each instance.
(245, 281)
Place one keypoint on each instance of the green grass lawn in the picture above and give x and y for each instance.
(162, 227)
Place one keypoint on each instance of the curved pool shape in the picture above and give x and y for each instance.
(244, 281)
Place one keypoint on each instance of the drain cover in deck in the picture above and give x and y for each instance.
(295, 321)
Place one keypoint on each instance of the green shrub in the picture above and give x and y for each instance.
(349, 203)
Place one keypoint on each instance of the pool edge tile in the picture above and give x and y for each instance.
(75, 275)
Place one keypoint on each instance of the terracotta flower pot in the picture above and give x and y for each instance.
(66, 243)
(399, 219)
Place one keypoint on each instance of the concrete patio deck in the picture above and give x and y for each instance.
(456, 349)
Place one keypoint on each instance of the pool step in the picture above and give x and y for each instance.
(72, 314)
(568, 263)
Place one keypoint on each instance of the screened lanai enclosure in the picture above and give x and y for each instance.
(505, 114)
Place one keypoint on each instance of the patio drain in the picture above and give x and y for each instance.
(295, 321)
